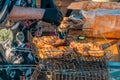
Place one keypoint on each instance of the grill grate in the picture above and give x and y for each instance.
(73, 67)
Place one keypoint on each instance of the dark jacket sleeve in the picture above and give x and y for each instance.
(52, 13)
(48, 4)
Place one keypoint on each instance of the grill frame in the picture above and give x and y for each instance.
(73, 68)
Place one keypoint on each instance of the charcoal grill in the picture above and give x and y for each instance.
(72, 67)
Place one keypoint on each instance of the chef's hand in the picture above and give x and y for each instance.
(52, 15)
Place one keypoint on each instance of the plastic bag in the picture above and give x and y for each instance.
(103, 22)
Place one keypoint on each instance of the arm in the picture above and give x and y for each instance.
(25, 13)
(50, 15)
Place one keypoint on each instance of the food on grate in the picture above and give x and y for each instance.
(35, 40)
(99, 53)
(53, 52)
(60, 42)
(40, 42)
(87, 49)
(46, 49)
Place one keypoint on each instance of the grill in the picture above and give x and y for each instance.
(72, 67)
(70, 64)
